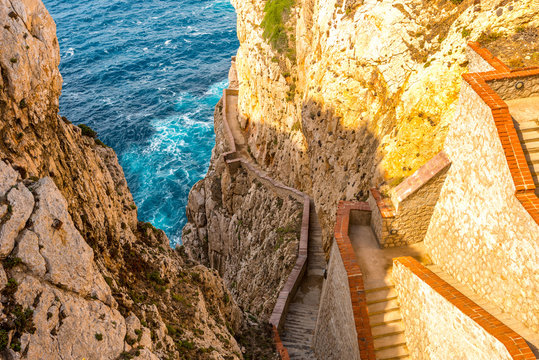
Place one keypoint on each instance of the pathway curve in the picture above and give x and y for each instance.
(302, 313)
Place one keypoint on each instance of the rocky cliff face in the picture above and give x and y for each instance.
(362, 91)
(80, 276)
(244, 229)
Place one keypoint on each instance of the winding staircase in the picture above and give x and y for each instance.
(301, 311)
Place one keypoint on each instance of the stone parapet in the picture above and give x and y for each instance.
(343, 330)
(493, 87)
(441, 320)
(404, 218)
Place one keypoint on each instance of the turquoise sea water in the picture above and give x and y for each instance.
(146, 76)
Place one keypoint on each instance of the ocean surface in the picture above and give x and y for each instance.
(146, 75)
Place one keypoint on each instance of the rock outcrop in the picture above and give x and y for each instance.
(361, 93)
(80, 276)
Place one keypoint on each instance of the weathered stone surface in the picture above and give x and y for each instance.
(434, 326)
(8, 178)
(68, 324)
(3, 278)
(492, 239)
(21, 204)
(86, 226)
(335, 336)
(366, 92)
(69, 259)
(252, 235)
(28, 251)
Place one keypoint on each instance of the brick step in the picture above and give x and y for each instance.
(526, 125)
(381, 322)
(380, 300)
(389, 340)
(381, 294)
(533, 157)
(374, 313)
(384, 317)
(383, 305)
(387, 328)
(392, 334)
(531, 145)
(529, 135)
(400, 351)
(388, 287)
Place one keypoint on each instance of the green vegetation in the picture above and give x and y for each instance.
(88, 131)
(466, 32)
(13, 60)
(273, 22)
(98, 336)
(488, 36)
(11, 261)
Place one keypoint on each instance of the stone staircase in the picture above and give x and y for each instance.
(525, 114)
(302, 313)
(386, 322)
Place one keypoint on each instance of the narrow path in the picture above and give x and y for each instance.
(303, 311)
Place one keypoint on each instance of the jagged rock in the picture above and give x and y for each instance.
(8, 178)
(67, 324)
(21, 204)
(69, 259)
(145, 354)
(3, 278)
(28, 251)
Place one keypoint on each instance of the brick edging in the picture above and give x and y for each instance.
(355, 277)
(513, 342)
(233, 159)
(518, 166)
(420, 177)
(385, 206)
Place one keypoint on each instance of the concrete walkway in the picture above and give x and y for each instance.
(384, 312)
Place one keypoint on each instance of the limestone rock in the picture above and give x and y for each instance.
(28, 251)
(69, 259)
(68, 324)
(8, 178)
(3, 278)
(21, 204)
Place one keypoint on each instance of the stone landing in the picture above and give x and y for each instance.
(383, 308)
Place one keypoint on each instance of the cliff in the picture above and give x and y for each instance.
(80, 276)
(339, 96)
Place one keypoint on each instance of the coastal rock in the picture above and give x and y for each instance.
(20, 206)
(28, 251)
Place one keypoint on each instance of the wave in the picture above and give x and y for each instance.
(148, 85)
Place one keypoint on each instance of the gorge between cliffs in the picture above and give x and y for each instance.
(333, 111)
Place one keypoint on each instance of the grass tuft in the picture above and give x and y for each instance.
(273, 22)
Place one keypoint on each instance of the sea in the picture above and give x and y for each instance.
(146, 75)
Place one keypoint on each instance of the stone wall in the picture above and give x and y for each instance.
(507, 90)
(404, 219)
(335, 336)
(343, 309)
(440, 320)
(493, 239)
